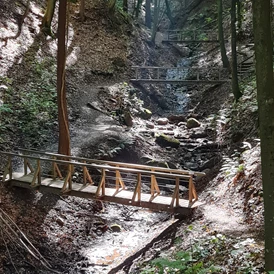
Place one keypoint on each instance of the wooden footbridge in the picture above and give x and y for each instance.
(186, 76)
(128, 184)
(191, 36)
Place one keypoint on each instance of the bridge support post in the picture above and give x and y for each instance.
(192, 191)
(36, 175)
(86, 176)
(137, 190)
(26, 166)
(175, 196)
(153, 187)
(68, 180)
(118, 180)
(55, 170)
(8, 170)
(102, 184)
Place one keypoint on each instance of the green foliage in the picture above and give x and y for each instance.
(31, 106)
(210, 254)
(39, 100)
(5, 108)
(182, 262)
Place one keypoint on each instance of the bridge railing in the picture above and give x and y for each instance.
(70, 163)
(178, 74)
(191, 36)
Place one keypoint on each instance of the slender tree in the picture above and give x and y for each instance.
(235, 84)
(64, 135)
(138, 8)
(156, 14)
(169, 14)
(47, 19)
(148, 14)
(82, 10)
(125, 5)
(265, 95)
(221, 34)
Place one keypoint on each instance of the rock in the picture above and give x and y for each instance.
(118, 62)
(192, 123)
(159, 37)
(192, 166)
(237, 136)
(157, 163)
(162, 121)
(3, 88)
(198, 134)
(171, 165)
(150, 125)
(166, 141)
(182, 124)
(146, 114)
(115, 228)
(128, 119)
(211, 163)
(176, 118)
(60, 221)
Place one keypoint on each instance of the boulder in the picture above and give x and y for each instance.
(192, 123)
(150, 125)
(128, 119)
(162, 121)
(176, 118)
(166, 141)
(145, 114)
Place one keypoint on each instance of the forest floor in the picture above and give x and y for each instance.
(82, 236)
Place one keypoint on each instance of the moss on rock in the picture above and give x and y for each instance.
(166, 141)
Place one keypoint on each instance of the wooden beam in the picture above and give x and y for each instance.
(125, 165)
(137, 191)
(87, 176)
(7, 170)
(36, 175)
(101, 185)
(175, 196)
(118, 180)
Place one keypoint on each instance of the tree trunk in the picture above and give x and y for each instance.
(47, 19)
(125, 5)
(155, 19)
(239, 15)
(169, 14)
(138, 8)
(64, 136)
(82, 10)
(265, 95)
(111, 5)
(235, 84)
(148, 14)
(221, 34)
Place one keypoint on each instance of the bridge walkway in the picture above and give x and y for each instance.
(128, 184)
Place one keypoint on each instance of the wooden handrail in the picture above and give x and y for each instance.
(119, 164)
(106, 167)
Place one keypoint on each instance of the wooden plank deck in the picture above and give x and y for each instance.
(161, 203)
